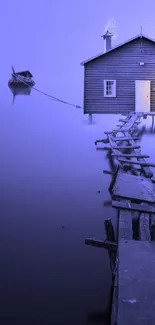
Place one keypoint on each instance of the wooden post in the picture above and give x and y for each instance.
(153, 227)
(110, 234)
(152, 121)
(113, 179)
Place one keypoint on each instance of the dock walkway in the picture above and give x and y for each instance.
(136, 304)
(131, 247)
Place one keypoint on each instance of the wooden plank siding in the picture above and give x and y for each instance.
(122, 65)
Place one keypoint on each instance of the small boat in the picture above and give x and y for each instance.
(20, 79)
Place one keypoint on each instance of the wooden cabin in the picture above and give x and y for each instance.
(122, 79)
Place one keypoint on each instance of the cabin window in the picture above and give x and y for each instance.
(109, 88)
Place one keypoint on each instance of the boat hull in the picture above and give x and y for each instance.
(17, 83)
(20, 90)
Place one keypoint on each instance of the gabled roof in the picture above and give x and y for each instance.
(117, 46)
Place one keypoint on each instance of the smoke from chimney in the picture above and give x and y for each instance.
(108, 33)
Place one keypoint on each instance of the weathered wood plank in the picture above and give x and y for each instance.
(130, 155)
(124, 138)
(101, 243)
(127, 147)
(114, 311)
(127, 167)
(134, 187)
(116, 151)
(119, 130)
(130, 123)
(144, 226)
(123, 128)
(125, 224)
(102, 140)
(112, 144)
(136, 278)
(103, 148)
(149, 164)
(108, 132)
(146, 169)
(110, 234)
(152, 226)
(114, 176)
(124, 120)
(108, 172)
(133, 206)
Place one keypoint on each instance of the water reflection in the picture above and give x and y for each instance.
(22, 90)
(50, 173)
(99, 317)
(149, 130)
(90, 120)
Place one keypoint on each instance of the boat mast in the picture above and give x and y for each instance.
(13, 70)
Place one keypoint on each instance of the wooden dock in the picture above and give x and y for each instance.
(132, 246)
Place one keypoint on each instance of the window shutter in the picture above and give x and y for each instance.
(114, 93)
(104, 87)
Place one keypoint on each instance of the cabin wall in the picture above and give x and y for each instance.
(123, 66)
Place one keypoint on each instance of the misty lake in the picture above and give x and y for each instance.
(50, 176)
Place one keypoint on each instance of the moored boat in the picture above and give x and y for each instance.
(20, 79)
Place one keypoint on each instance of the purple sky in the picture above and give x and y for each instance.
(52, 37)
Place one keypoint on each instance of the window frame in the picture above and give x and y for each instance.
(113, 88)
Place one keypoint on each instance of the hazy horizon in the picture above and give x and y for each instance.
(52, 38)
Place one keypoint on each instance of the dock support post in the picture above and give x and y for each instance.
(152, 121)
(90, 118)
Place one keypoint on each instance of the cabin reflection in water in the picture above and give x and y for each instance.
(20, 91)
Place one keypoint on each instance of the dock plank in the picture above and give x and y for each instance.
(101, 243)
(136, 278)
(122, 120)
(124, 138)
(112, 144)
(133, 206)
(134, 188)
(134, 301)
(141, 163)
(126, 124)
(125, 225)
(130, 122)
(144, 226)
(132, 155)
(127, 147)
(146, 169)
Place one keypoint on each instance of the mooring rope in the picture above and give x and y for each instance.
(48, 95)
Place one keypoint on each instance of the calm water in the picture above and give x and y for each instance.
(50, 173)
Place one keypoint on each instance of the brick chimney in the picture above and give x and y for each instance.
(107, 40)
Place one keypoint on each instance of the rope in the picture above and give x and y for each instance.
(42, 92)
